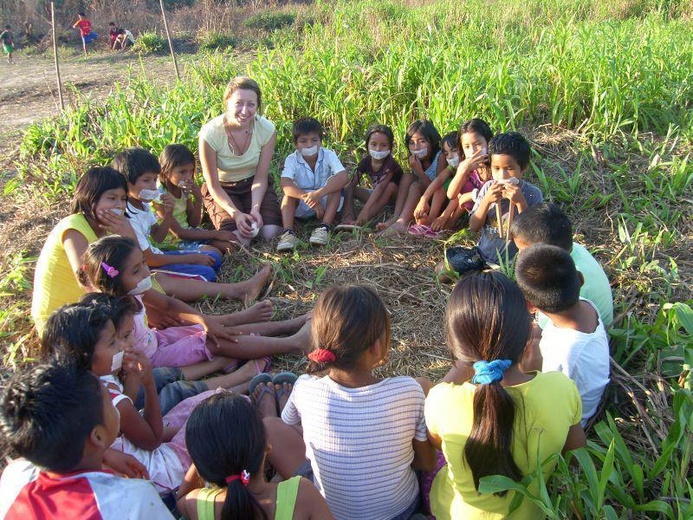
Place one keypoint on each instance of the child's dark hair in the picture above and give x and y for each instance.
(348, 320)
(380, 129)
(173, 156)
(135, 162)
(545, 223)
(73, 330)
(307, 125)
(548, 277)
(451, 140)
(225, 436)
(82, 14)
(111, 23)
(486, 320)
(111, 251)
(474, 126)
(49, 411)
(119, 306)
(92, 185)
(513, 144)
(425, 128)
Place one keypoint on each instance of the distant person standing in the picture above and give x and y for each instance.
(84, 26)
(7, 42)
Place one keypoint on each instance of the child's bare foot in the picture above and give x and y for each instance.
(283, 392)
(260, 311)
(250, 289)
(302, 340)
(348, 219)
(382, 226)
(265, 398)
(397, 228)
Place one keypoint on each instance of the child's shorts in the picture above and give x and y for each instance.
(7, 47)
(181, 346)
(304, 211)
(90, 37)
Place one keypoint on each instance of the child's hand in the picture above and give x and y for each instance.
(136, 364)
(216, 331)
(113, 222)
(479, 159)
(415, 164)
(165, 206)
(494, 193)
(227, 236)
(513, 193)
(201, 259)
(311, 198)
(125, 464)
(422, 209)
(439, 223)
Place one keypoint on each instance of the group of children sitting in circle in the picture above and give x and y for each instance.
(122, 386)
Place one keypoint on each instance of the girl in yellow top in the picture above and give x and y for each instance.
(226, 441)
(504, 420)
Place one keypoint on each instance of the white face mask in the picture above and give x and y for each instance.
(454, 161)
(117, 362)
(509, 180)
(309, 152)
(143, 286)
(379, 156)
(116, 211)
(150, 195)
(420, 153)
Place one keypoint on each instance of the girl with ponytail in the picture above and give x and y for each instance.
(226, 441)
(503, 420)
(363, 435)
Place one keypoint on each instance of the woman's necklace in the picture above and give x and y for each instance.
(236, 148)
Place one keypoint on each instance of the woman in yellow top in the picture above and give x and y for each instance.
(235, 152)
(504, 420)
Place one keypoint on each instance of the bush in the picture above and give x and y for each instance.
(269, 21)
(215, 41)
(150, 43)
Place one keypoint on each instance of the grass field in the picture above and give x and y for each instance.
(603, 89)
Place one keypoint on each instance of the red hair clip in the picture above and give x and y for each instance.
(244, 477)
(322, 355)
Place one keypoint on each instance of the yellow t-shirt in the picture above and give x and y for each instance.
(551, 406)
(232, 167)
(54, 280)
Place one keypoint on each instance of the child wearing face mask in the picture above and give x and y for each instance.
(312, 182)
(384, 173)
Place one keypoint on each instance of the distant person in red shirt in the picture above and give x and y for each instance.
(85, 31)
(113, 32)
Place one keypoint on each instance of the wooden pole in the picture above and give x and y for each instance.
(168, 37)
(55, 58)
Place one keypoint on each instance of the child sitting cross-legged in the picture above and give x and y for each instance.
(312, 182)
(363, 436)
(574, 341)
(548, 224)
(177, 177)
(61, 419)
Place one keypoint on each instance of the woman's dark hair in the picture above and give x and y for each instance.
(348, 320)
(474, 126)
(112, 251)
(380, 129)
(243, 83)
(73, 331)
(425, 128)
(225, 436)
(171, 157)
(92, 185)
(487, 319)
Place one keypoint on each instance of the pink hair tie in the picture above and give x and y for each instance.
(322, 355)
(110, 271)
(244, 477)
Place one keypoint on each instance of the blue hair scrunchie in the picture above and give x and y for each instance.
(487, 372)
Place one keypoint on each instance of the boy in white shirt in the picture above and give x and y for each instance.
(574, 341)
(312, 182)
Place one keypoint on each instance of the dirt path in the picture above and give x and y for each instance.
(28, 92)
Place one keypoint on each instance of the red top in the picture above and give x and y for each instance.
(84, 27)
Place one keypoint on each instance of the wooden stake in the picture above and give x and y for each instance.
(55, 59)
(168, 37)
(499, 218)
(511, 214)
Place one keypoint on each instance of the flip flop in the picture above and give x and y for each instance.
(257, 380)
(417, 230)
(429, 232)
(284, 377)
